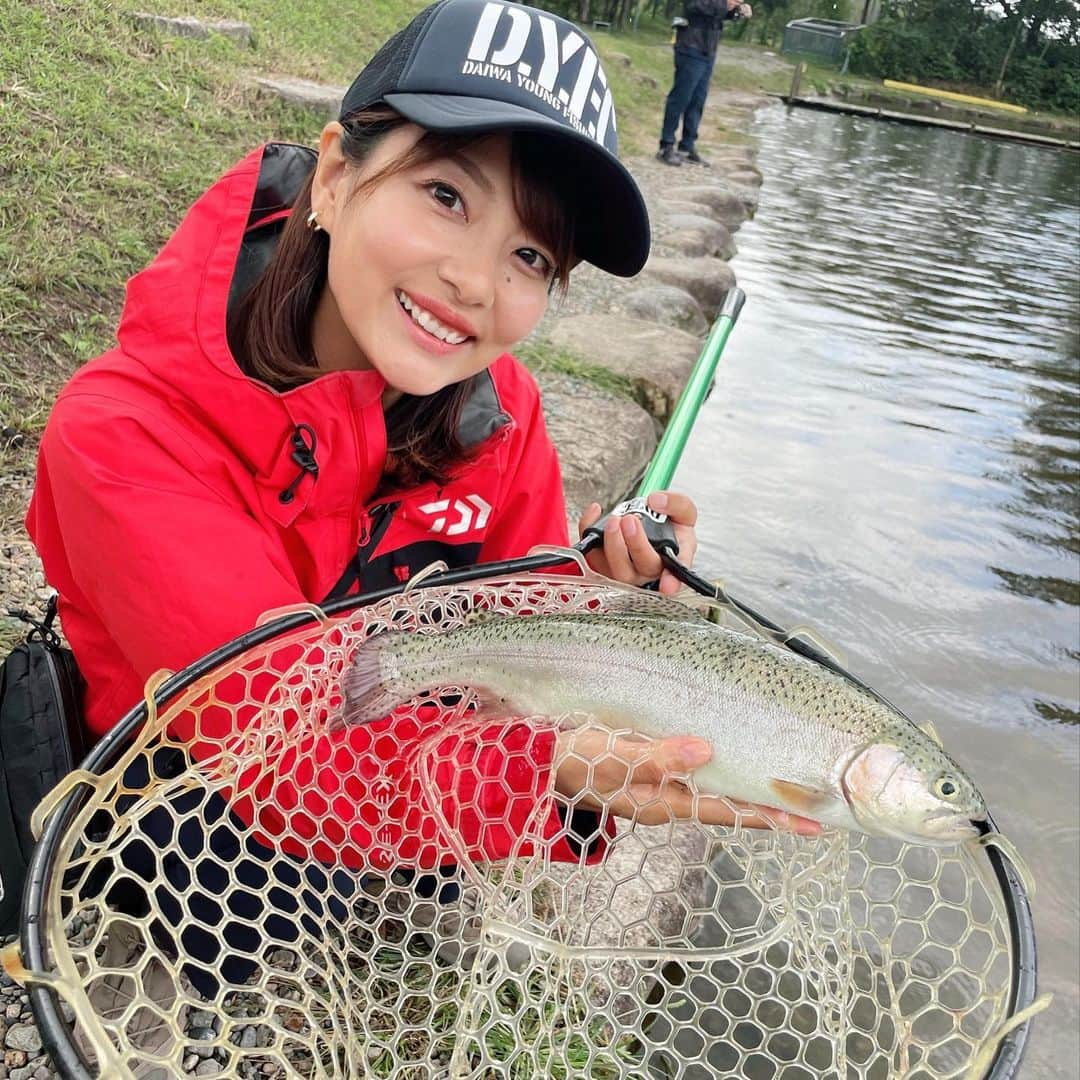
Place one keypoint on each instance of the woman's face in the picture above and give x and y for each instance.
(431, 273)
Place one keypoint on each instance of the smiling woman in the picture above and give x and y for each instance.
(445, 250)
(312, 393)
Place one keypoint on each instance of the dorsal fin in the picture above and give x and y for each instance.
(641, 603)
(612, 598)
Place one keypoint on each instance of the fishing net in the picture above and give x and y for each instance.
(191, 931)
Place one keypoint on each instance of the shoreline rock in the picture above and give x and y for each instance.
(694, 213)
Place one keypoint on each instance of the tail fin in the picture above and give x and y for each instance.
(367, 685)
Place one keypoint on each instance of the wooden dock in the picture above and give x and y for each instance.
(832, 105)
(793, 97)
(971, 128)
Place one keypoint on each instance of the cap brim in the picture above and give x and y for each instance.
(611, 225)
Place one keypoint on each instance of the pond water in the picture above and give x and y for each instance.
(891, 454)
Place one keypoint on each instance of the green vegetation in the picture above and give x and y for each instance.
(109, 133)
(541, 356)
(1031, 56)
(1023, 51)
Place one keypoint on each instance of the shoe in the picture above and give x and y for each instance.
(668, 156)
(694, 158)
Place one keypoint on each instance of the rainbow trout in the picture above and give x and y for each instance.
(786, 732)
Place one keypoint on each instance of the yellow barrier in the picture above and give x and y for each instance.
(950, 96)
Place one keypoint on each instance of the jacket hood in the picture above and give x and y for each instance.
(181, 299)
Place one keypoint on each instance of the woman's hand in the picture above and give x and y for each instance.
(628, 556)
(641, 779)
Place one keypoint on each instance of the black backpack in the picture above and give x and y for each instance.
(41, 741)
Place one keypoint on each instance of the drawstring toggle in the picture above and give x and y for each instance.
(303, 444)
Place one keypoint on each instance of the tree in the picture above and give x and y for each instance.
(1029, 18)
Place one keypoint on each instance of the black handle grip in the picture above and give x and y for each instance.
(658, 529)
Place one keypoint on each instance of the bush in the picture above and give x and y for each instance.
(970, 55)
(894, 50)
(1043, 85)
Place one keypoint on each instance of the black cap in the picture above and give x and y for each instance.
(483, 65)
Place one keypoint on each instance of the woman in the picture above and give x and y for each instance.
(313, 377)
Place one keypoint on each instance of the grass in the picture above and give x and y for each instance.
(414, 1006)
(541, 356)
(110, 132)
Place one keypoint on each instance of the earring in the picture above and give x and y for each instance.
(313, 221)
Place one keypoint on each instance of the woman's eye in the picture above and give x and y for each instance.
(447, 196)
(537, 260)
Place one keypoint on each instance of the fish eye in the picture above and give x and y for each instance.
(946, 787)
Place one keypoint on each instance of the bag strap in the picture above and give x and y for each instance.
(41, 630)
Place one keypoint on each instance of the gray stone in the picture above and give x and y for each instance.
(732, 155)
(694, 235)
(315, 96)
(604, 441)
(240, 32)
(726, 205)
(751, 178)
(201, 1041)
(706, 280)
(668, 305)
(670, 207)
(652, 879)
(189, 26)
(657, 359)
(209, 1068)
(181, 26)
(23, 1037)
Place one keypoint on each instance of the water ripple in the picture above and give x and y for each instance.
(894, 449)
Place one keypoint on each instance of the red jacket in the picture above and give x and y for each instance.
(170, 511)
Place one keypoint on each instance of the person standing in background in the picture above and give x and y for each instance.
(697, 36)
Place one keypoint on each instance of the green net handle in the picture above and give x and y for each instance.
(666, 459)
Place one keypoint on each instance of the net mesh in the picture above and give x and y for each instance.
(192, 930)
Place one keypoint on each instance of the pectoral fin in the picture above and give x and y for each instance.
(490, 705)
(799, 797)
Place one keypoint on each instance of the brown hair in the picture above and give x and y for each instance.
(269, 328)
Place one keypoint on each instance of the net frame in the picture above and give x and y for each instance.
(58, 1039)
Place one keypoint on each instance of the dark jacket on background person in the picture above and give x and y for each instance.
(705, 20)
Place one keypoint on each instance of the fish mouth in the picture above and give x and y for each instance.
(941, 829)
(950, 826)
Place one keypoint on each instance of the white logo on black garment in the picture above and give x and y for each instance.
(473, 516)
(567, 78)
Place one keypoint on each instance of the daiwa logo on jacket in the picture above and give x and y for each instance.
(517, 46)
(464, 514)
